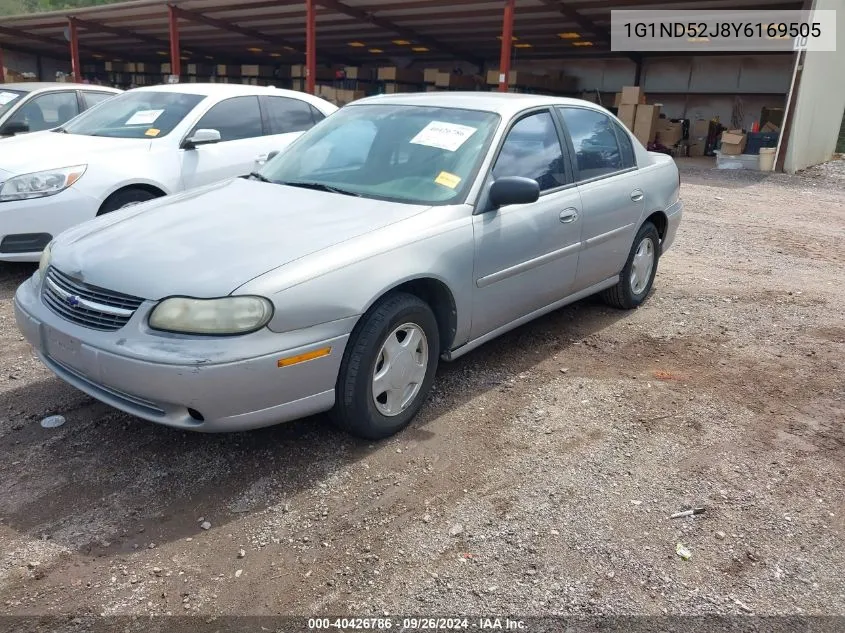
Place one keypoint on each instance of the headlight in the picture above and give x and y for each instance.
(41, 183)
(44, 262)
(229, 315)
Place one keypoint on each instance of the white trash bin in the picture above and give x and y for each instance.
(767, 158)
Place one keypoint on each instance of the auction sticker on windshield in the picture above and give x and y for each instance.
(7, 97)
(448, 136)
(144, 117)
(448, 180)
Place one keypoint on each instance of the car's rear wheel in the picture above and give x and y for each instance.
(388, 368)
(125, 198)
(637, 277)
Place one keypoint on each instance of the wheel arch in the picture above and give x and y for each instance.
(660, 220)
(437, 294)
(156, 190)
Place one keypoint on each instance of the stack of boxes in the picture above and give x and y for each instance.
(524, 82)
(638, 116)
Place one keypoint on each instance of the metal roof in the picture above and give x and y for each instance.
(348, 31)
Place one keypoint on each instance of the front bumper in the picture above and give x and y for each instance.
(673, 214)
(235, 383)
(50, 215)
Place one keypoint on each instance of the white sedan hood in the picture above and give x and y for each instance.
(27, 153)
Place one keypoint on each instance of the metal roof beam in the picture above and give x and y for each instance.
(402, 31)
(126, 33)
(253, 34)
(36, 37)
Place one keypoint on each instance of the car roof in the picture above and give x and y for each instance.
(231, 90)
(506, 104)
(40, 86)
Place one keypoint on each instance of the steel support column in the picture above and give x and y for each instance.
(175, 49)
(75, 66)
(310, 46)
(507, 44)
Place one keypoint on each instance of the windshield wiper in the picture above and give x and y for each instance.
(257, 176)
(318, 186)
(61, 130)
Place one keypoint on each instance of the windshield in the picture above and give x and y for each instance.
(413, 154)
(141, 114)
(8, 99)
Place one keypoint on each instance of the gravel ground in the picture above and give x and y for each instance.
(538, 480)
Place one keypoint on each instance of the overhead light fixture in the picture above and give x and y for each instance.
(514, 38)
(357, 44)
(290, 48)
(420, 49)
(401, 42)
(568, 36)
(96, 56)
(162, 53)
(582, 43)
(522, 45)
(255, 50)
(376, 50)
(275, 54)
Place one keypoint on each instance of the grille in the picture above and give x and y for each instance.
(86, 305)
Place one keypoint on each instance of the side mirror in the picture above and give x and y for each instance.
(202, 137)
(272, 155)
(14, 127)
(514, 190)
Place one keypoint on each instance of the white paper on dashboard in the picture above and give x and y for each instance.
(448, 136)
(7, 97)
(144, 117)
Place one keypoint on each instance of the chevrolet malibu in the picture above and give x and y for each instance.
(142, 144)
(402, 230)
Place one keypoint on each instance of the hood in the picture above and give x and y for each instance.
(27, 153)
(207, 242)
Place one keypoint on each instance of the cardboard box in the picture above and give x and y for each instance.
(617, 100)
(733, 143)
(449, 80)
(359, 74)
(400, 75)
(645, 123)
(632, 95)
(770, 127)
(697, 149)
(627, 114)
(430, 75)
(669, 133)
(699, 128)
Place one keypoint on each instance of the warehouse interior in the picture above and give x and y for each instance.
(681, 103)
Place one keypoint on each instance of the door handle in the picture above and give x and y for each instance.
(568, 216)
(637, 195)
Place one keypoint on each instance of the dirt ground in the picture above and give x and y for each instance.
(537, 481)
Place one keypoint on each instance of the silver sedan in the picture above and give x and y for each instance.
(400, 231)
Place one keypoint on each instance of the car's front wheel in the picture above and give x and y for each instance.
(637, 277)
(388, 368)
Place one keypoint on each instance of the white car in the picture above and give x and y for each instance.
(36, 106)
(145, 143)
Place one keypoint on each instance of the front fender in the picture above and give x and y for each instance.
(346, 280)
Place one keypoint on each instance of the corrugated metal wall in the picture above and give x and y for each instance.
(820, 102)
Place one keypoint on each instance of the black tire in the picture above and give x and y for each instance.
(622, 295)
(355, 409)
(125, 198)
